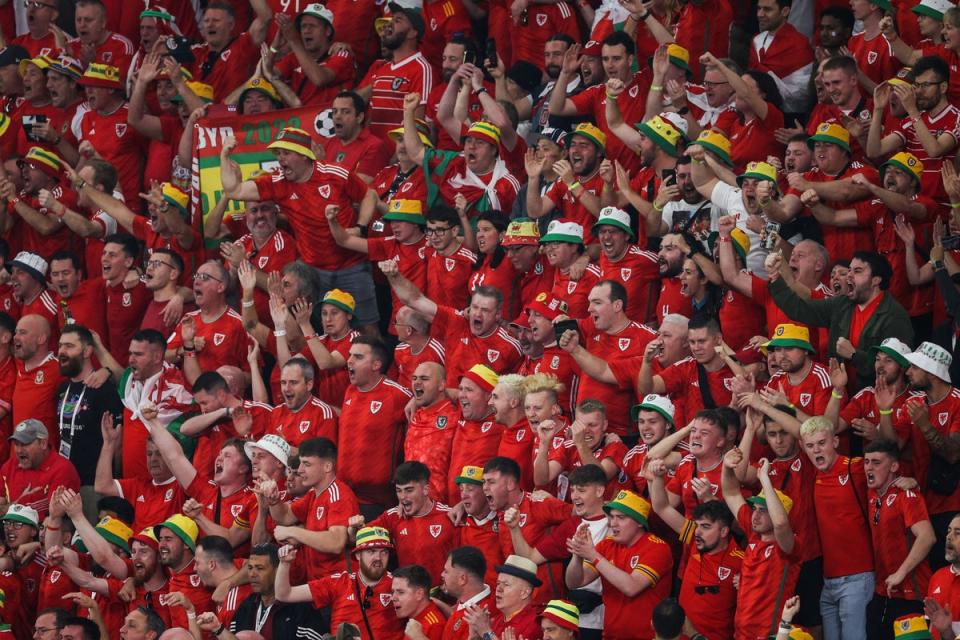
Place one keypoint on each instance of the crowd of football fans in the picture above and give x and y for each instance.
(597, 319)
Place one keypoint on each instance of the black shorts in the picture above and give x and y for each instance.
(809, 586)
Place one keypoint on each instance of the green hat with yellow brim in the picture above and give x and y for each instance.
(631, 505)
(405, 211)
(423, 132)
(340, 299)
(741, 243)
(761, 501)
(679, 57)
(115, 532)
(663, 134)
(592, 133)
(182, 527)
(470, 474)
(791, 335)
(906, 162)
(832, 133)
(295, 140)
(758, 171)
(911, 627)
(717, 143)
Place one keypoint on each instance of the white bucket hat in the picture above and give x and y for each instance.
(272, 444)
(933, 359)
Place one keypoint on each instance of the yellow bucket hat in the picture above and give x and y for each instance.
(679, 57)
(717, 143)
(264, 87)
(761, 501)
(470, 475)
(832, 133)
(741, 243)
(591, 133)
(757, 171)
(293, 139)
(202, 90)
(906, 162)
(423, 132)
(340, 299)
(631, 505)
(182, 527)
(43, 63)
(791, 335)
(115, 531)
(405, 211)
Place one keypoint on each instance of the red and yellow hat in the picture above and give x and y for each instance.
(423, 132)
(101, 75)
(147, 537)
(547, 306)
(486, 131)
(175, 196)
(563, 613)
(296, 140)
(520, 232)
(372, 538)
(485, 377)
(44, 160)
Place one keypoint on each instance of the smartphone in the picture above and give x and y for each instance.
(491, 56)
(951, 243)
(469, 57)
(29, 122)
(670, 174)
(771, 233)
(561, 327)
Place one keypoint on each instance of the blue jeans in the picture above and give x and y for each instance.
(358, 282)
(843, 606)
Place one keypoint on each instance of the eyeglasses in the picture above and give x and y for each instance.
(16, 526)
(925, 85)
(42, 631)
(156, 264)
(876, 512)
(203, 277)
(436, 232)
(710, 85)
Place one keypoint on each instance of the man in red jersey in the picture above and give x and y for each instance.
(406, 245)
(28, 276)
(463, 579)
(39, 230)
(501, 486)
(517, 438)
(449, 263)
(872, 51)
(633, 565)
(943, 594)
(701, 381)
(40, 39)
(805, 383)
(840, 497)
(314, 72)
(38, 375)
(654, 419)
(94, 42)
(623, 261)
(317, 520)
(154, 499)
(104, 131)
(214, 327)
(516, 610)
(610, 335)
(420, 525)
(832, 180)
(429, 436)
(899, 517)
(845, 98)
(480, 526)
(411, 601)
(456, 52)
(589, 445)
(301, 415)
(563, 246)
(406, 72)
(670, 261)
(770, 558)
(177, 541)
(301, 189)
(576, 194)
(481, 338)
(215, 566)
(34, 471)
(697, 477)
(782, 52)
(217, 501)
(353, 146)
(373, 407)
(363, 598)
(80, 300)
(125, 303)
(416, 346)
(713, 563)
(618, 59)
(225, 60)
(930, 421)
(147, 381)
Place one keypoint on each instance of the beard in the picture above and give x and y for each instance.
(72, 367)
(553, 71)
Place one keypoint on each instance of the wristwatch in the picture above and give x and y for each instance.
(936, 264)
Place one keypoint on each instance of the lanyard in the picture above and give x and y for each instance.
(262, 621)
(76, 408)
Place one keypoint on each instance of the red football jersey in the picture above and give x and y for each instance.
(424, 540)
(474, 442)
(125, 308)
(429, 440)
(568, 456)
(448, 276)
(575, 292)
(639, 272)
(571, 208)
(227, 70)
(318, 512)
(188, 583)
(35, 396)
(875, 57)
(537, 515)
(711, 615)
(225, 340)
(683, 386)
(840, 495)
(405, 361)
(593, 101)
(116, 51)
(368, 452)
(516, 443)
(152, 502)
(671, 300)
(277, 252)
(811, 395)
(894, 513)
(342, 64)
(315, 419)
(946, 121)
(344, 593)
(498, 350)
(212, 439)
(410, 259)
(366, 155)
(119, 144)
(390, 83)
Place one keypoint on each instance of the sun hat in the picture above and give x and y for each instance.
(832, 133)
(521, 232)
(115, 532)
(654, 402)
(717, 143)
(592, 133)
(613, 217)
(521, 567)
(485, 377)
(42, 62)
(933, 8)
(147, 537)
(791, 335)
(664, 134)
(293, 139)
(68, 66)
(182, 527)
(272, 444)
(372, 538)
(563, 231)
(895, 349)
(340, 299)
(758, 171)
(933, 359)
(470, 474)
(741, 242)
(423, 132)
(175, 196)
(22, 513)
(631, 505)
(262, 86)
(101, 75)
(316, 10)
(405, 211)
(37, 268)
(906, 162)
(202, 90)
(761, 501)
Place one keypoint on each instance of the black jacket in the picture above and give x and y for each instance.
(291, 621)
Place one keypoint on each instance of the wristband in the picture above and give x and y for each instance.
(479, 91)
(190, 354)
(49, 527)
(220, 630)
(610, 96)
(955, 205)
(885, 412)
(786, 626)
(937, 265)
(187, 349)
(656, 208)
(656, 87)
(247, 304)
(574, 185)
(312, 336)
(725, 239)
(279, 333)
(834, 394)
(641, 18)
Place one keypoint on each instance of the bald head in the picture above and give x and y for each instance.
(428, 383)
(31, 338)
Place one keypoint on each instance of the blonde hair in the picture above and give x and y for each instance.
(817, 424)
(512, 382)
(542, 382)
